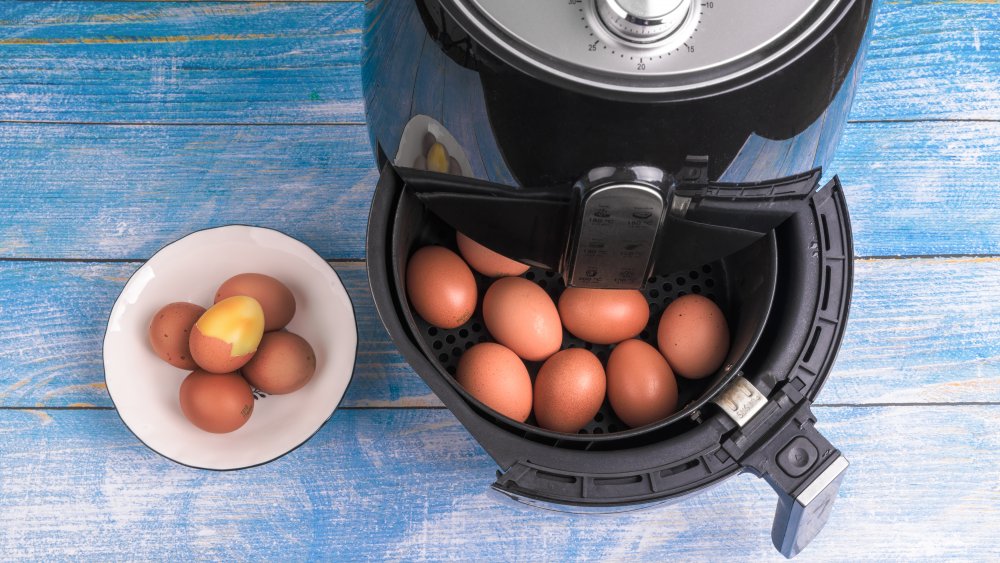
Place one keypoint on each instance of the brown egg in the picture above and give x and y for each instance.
(642, 388)
(569, 390)
(170, 331)
(497, 377)
(441, 287)
(693, 336)
(487, 262)
(522, 317)
(216, 402)
(603, 316)
(226, 336)
(274, 297)
(427, 142)
(284, 362)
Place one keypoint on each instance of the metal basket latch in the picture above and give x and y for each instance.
(740, 400)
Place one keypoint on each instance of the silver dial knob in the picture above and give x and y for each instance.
(643, 21)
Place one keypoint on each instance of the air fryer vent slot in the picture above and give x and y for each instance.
(680, 468)
(631, 479)
(568, 479)
(827, 280)
(812, 345)
(826, 233)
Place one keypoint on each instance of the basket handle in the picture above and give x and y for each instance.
(777, 440)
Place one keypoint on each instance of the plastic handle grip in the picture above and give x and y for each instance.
(799, 518)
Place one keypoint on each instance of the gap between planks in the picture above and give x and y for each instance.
(365, 124)
(362, 262)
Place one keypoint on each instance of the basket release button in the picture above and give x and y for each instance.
(798, 456)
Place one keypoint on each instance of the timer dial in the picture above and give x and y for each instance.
(643, 21)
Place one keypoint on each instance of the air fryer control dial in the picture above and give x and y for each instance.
(643, 21)
(656, 46)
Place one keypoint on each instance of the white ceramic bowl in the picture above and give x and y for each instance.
(145, 389)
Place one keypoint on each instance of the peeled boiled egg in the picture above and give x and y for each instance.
(641, 386)
(284, 362)
(522, 317)
(226, 336)
(441, 287)
(497, 377)
(216, 402)
(569, 390)
(170, 332)
(485, 261)
(274, 297)
(603, 316)
(437, 158)
(693, 336)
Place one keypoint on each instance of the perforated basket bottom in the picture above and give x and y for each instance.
(708, 280)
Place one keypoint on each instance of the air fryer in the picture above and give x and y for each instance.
(699, 133)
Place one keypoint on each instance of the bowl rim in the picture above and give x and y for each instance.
(340, 401)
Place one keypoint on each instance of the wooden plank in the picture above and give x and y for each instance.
(922, 188)
(124, 191)
(921, 331)
(412, 485)
(932, 60)
(171, 62)
(297, 62)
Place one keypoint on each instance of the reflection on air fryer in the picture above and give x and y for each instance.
(529, 324)
(427, 145)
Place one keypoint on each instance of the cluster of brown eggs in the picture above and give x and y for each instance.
(569, 388)
(236, 345)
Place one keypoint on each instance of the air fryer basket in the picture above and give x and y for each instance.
(761, 422)
(741, 284)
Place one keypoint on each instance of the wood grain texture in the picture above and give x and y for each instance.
(75, 191)
(100, 62)
(412, 485)
(125, 191)
(297, 62)
(922, 188)
(921, 331)
(407, 483)
(932, 60)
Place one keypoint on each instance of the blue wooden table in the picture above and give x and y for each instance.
(124, 126)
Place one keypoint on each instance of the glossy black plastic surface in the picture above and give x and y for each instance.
(527, 131)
